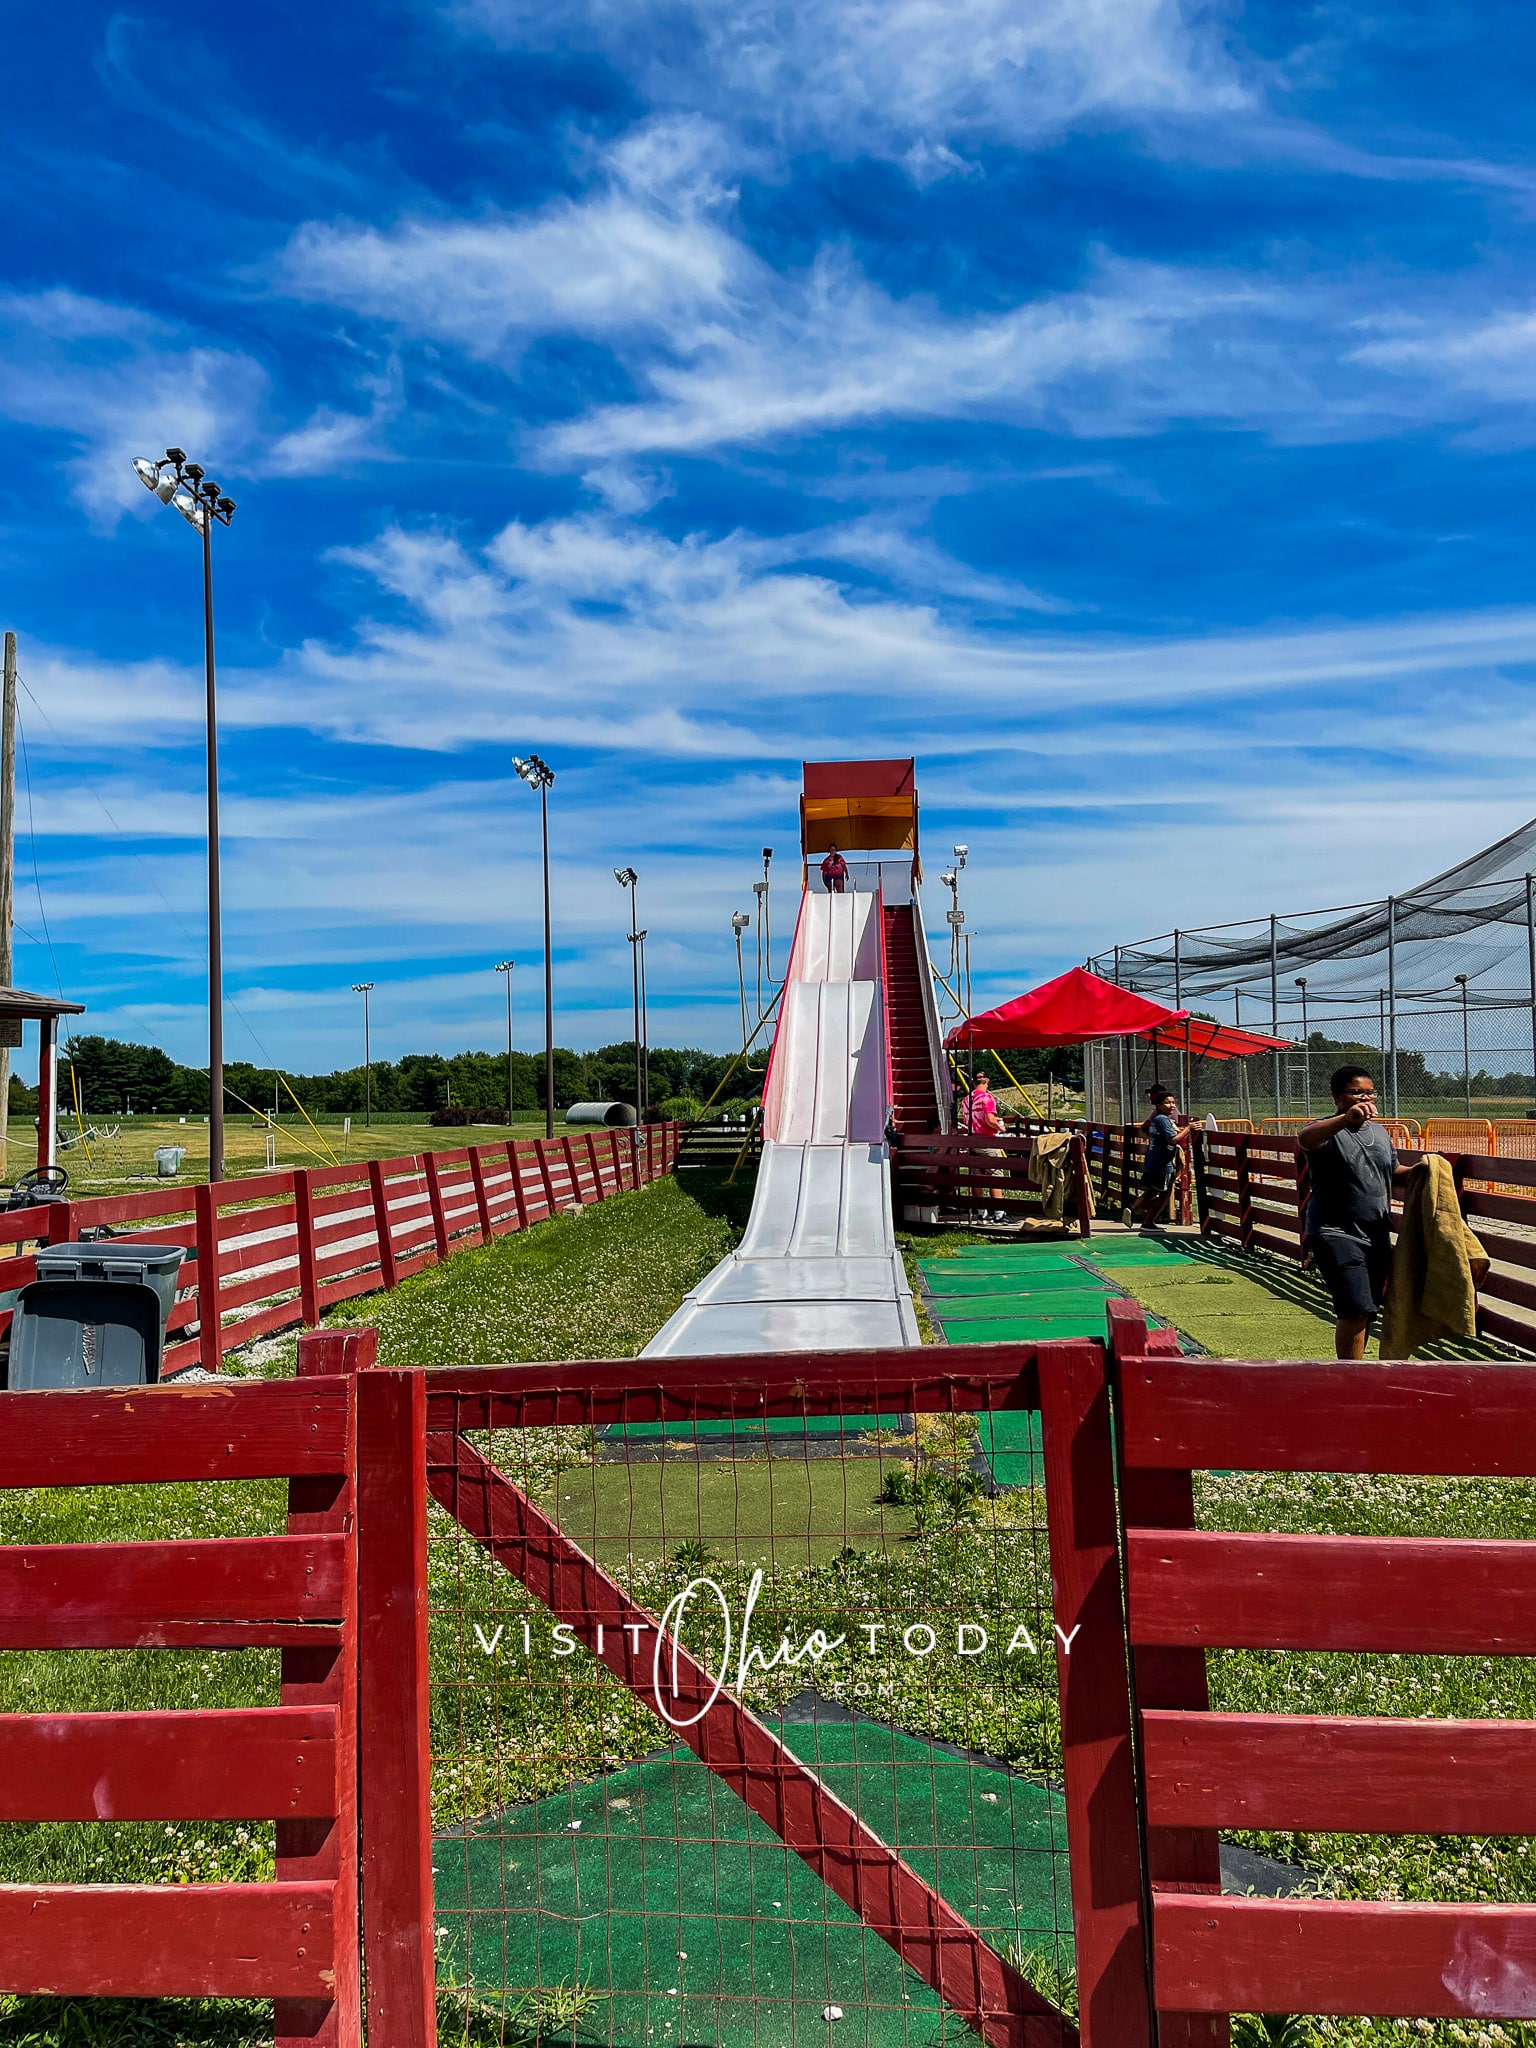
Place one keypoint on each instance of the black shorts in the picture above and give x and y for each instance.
(1355, 1265)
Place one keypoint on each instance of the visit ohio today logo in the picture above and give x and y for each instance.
(740, 1656)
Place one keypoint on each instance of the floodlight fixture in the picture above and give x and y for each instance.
(535, 772)
(625, 877)
(187, 486)
(740, 919)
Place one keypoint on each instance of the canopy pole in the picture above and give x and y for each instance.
(1530, 947)
(1274, 1006)
(1392, 1000)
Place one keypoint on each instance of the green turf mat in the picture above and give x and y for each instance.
(1025, 1329)
(992, 1281)
(1010, 1442)
(689, 1921)
(1049, 1308)
(749, 1425)
(1230, 1315)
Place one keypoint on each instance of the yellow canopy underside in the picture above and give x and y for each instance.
(859, 823)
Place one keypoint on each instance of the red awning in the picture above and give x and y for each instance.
(1075, 1006)
(1205, 1040)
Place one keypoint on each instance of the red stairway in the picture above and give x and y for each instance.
(917, 1107)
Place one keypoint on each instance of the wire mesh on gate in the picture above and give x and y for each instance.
(863, 1568)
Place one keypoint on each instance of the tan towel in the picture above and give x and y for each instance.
(1436, 1267)
(1050, 1158)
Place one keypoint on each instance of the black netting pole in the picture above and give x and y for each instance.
(1530, 946)
(1274, 1008)
(1392, 1000)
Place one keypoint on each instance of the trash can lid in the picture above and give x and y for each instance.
(104, 1254)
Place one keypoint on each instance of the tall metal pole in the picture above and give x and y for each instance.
(1125, 1113)
(365, 989)
(1178, 1004)
(1466, 1052)
(1306, 1047)
(1274, 1006)
(7, 865)
(645, 1035)
(549, 976)
(634, 975)
(1530, 950)
(511, 1106)
(1392, 1000)
(215, 933)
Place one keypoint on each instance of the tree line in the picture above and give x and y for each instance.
(114, 1077)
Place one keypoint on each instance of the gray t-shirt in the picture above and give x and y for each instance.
(1351, 1180)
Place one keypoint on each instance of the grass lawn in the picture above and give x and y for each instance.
(124, 1163)
(780, 1510)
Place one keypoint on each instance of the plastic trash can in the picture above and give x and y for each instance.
(168, 1160)
(95, 1316)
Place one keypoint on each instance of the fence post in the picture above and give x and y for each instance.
(1200, 1167)
(1127, 1150)
(389, 1271)
(61, 1222)
(540, 1148)
(482, 1200)
(1244, 1191)
(304, 1226)
(322, 1352)
(1186, 1859)
(206, 1208)
(435, 1203)
(515, 1168)
(1103, 1821)
(394, 1751)
(1080, 1187)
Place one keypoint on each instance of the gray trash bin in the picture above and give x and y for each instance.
(95, 1316)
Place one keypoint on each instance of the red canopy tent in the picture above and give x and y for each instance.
(1077, 1006)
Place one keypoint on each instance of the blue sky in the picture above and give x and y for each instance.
(1126, 408)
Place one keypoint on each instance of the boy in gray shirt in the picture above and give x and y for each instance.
(1354, 1170)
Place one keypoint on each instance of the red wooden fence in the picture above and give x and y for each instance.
(284, 1247)
(294, 1940)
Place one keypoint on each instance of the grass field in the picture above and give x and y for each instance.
(127, 1160)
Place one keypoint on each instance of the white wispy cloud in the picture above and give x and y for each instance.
(903, 79)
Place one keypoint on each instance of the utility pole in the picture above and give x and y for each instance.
(7, 865)
(365, 989)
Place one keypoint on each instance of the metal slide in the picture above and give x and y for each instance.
(818, 1266)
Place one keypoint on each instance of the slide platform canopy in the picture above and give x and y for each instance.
(1077, 1006)
(859, 807)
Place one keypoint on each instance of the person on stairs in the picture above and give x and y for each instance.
(834, 872)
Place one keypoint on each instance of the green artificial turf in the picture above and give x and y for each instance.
(782, 1511)
(1226, 1313)
(684, 1919)
(1010, 1442)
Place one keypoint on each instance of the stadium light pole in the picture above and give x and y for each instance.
(627, 879)
(1466, 1047)
(540, 776)
(767, 928)
(1306, 1047)
(365, 989)
(198, 499)
(505, 967)
(637, 940)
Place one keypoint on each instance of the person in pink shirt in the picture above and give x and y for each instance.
(834, 872)
(979, 1115)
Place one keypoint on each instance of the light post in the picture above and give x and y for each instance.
(1466, 1050)
(365, 989)
(540, 776)
(766, 928)
(739, 922)
(626, 879)
(637, 940)
(1306, 1047)
(505, 967)
(198, 499)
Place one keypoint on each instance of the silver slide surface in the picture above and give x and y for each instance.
(817, 1268)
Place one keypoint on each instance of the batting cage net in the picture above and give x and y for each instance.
(744, 1708)
(1434, 989)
